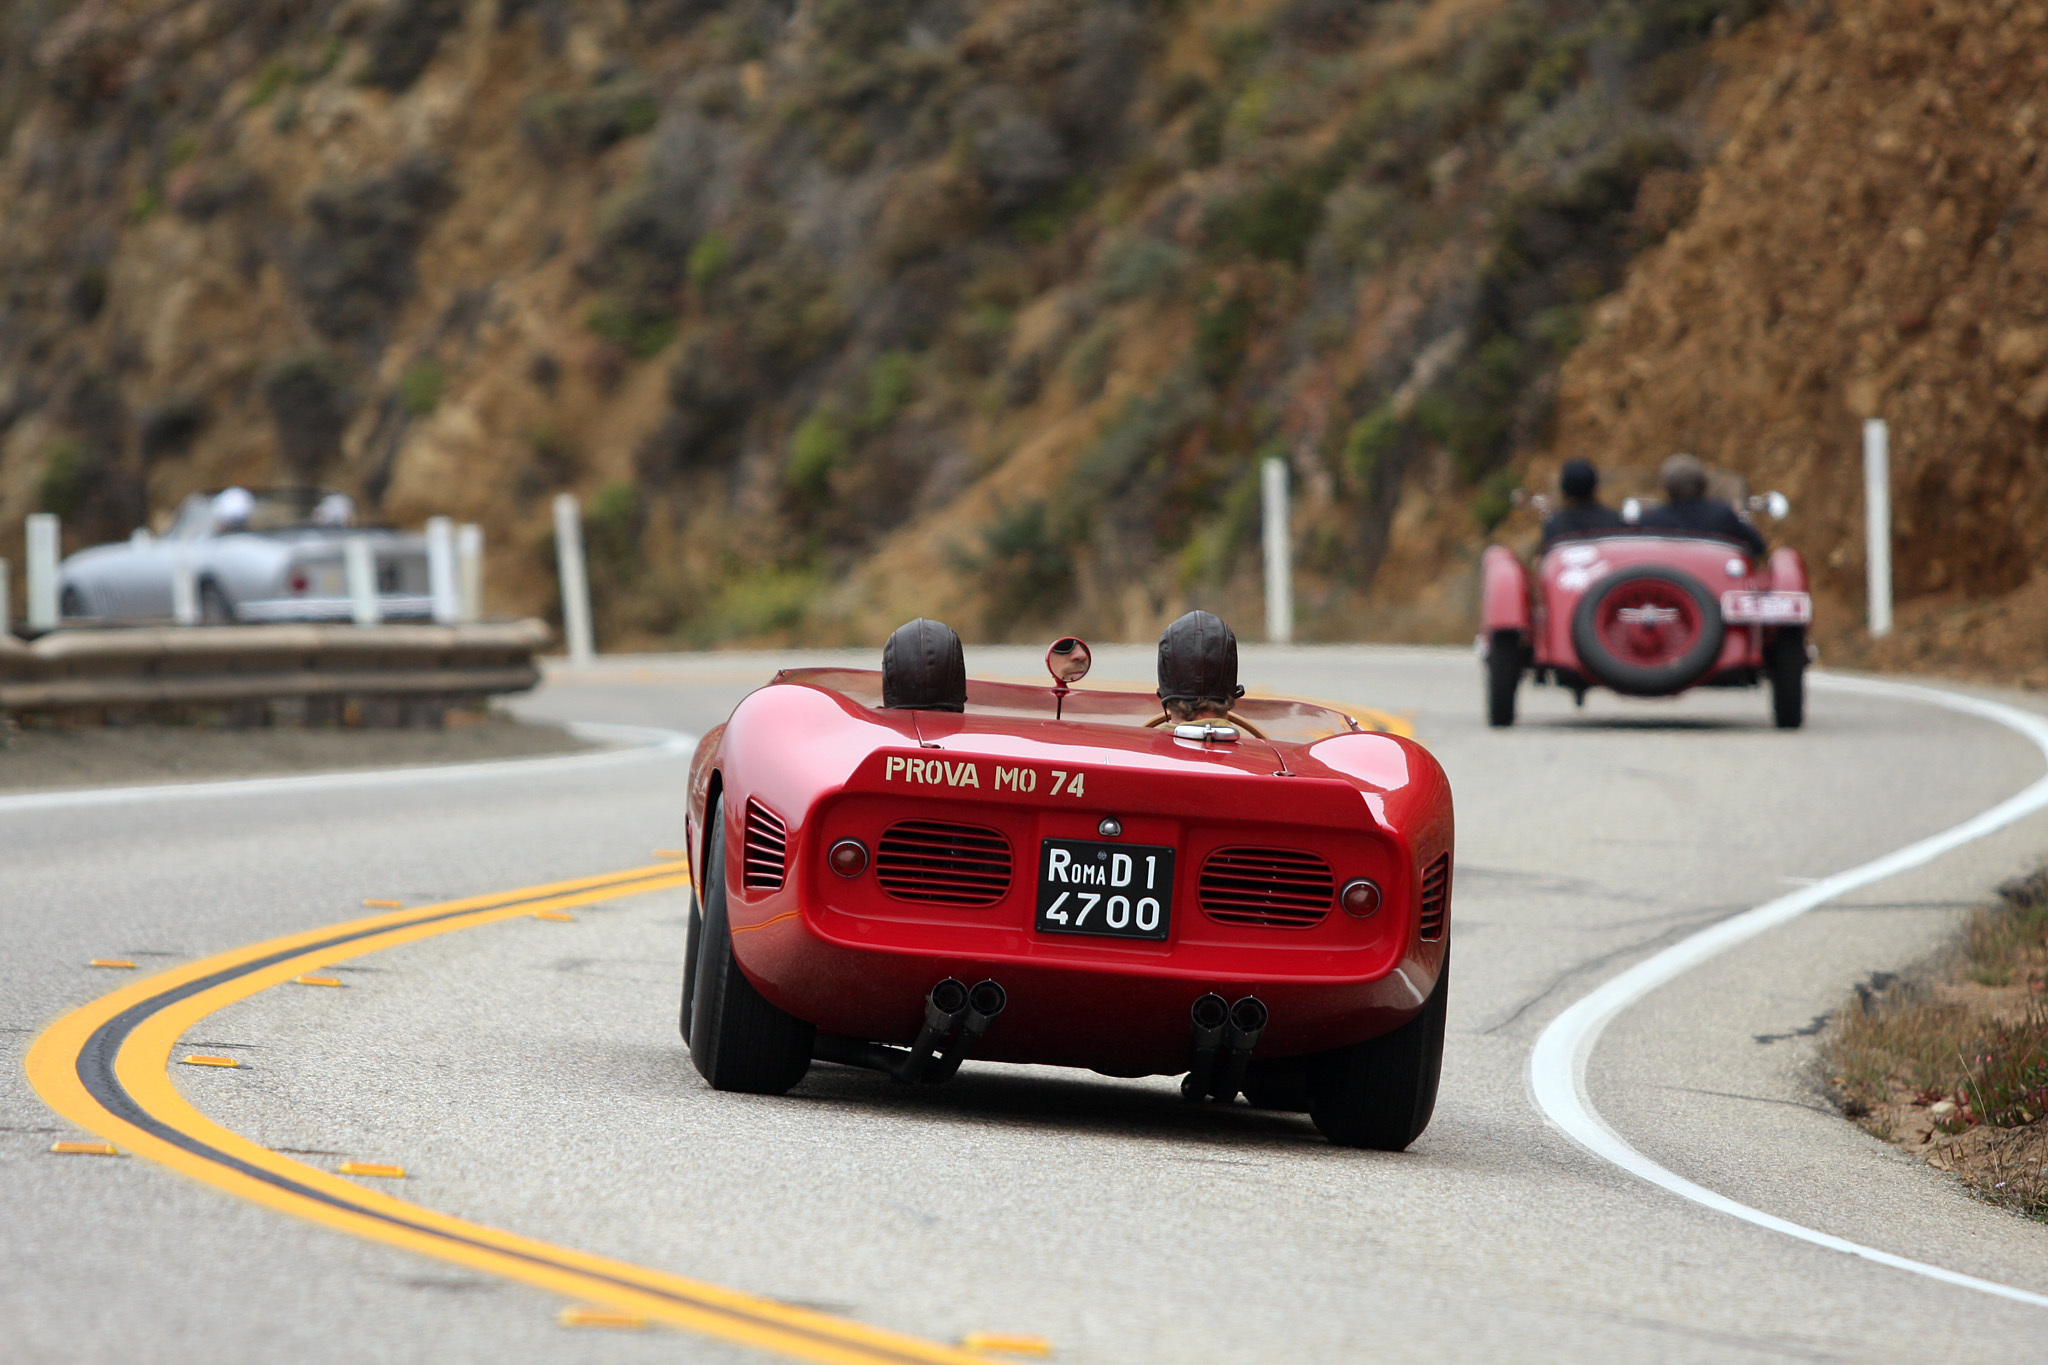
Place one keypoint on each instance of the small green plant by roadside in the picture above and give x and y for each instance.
(419, 388)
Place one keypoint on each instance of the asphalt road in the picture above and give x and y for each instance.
(528, 1075)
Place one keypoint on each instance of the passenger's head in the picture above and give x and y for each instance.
(1685, 478)
(1578, 481)
(923, 668)
(232, 508)
(1197, 667)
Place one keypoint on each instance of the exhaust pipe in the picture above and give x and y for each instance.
(1247, 1025)
(1210, 1015)
(984, 1003)
(954, 1017)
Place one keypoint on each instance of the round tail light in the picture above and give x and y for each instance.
(849, 857)
(1360, 897)
(299, 580)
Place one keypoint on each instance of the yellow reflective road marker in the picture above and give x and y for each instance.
(105, 1068)
(383, 905)
(85, 1149)
(316, 981)
(584, 1315)
(1007, 1343)
(111, 962)
(208, 1059)
(670, 853)
(377, 1168)
(557, 915)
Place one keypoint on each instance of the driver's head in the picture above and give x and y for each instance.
(1685, 478)
(1578, 481)
(232, 508)
(923, 668)
(1198, 667)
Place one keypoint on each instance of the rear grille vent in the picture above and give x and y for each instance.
(1275, 888)
(1436, 897)
(767, 848)
(944, 863)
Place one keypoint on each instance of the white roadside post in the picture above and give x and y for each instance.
(469, 563)
(575, 581)
(184, 586)
(42, 571)
(441, 570)
(359, 568)
(1279, 553)
(1877, 523)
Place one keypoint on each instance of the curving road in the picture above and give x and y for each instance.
(526, 1074)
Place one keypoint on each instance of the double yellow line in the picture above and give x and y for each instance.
(105, 1067)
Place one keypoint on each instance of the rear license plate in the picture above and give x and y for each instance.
(1766, 608)
(1113, 890)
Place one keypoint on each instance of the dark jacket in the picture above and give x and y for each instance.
(1707, 517)
(1578, 518)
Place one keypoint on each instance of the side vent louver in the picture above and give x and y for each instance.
(767, 848)
(1274, 888)
(1436, 897)
(943, 862)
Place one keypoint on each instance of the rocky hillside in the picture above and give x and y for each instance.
(836, 311)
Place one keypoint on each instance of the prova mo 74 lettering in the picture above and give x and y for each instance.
(939, 772)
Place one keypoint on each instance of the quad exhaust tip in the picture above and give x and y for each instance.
(955, 1018)
(1223, 1037)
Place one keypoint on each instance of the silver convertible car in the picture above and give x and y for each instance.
(268, 555)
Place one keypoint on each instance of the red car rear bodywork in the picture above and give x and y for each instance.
(1264, 832)
(1645, 613)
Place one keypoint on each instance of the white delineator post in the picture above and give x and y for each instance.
(441, 585)
(184, 586)
(359, 569)
(42, 571)
(1877, 523)
(469, 571)
(1279, 553)
(575, 580)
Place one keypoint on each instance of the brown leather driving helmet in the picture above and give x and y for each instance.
(1198, 660)
(923, 668)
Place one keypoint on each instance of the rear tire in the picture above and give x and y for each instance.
(1380, 1093)
(1503, 676)
(1785, 661)
(737, 1039)
(214, 607)
(1636, 679)
(692, 938)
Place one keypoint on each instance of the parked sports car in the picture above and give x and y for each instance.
(271, 555)
(1647, 613)
(1259, 900)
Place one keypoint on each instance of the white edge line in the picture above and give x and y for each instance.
(631, 744)
(1557, 1064)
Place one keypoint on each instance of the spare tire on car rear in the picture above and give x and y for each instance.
(1648, 631)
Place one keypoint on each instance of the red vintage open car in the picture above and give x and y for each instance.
(1261, 902)
(1647, 613)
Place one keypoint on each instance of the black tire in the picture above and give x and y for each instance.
(1648, 680)
(1279, 1083)
(71, 604)
(691, 939)
(1505, 654)
(737, 1039)
(1380, 1093)
(1785, 661)
(214, 607)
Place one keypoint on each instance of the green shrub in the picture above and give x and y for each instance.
(640, 333)
(1141, 267)
(890, 381)
(1496, 499)
(708, 259)
(1222, 330)
(419, 388)
(612, 528)
(1371, 439)
(70, 479)
(1273, 221)
(1026, 566)
(819, 447)
(763, 600)
(1087, 364)
(276, 74)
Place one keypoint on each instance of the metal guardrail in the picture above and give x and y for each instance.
(147, 667)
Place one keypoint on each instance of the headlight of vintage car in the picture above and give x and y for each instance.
(1360, 897)
(849, 857)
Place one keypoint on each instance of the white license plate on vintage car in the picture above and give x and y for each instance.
(1114, 890)
(1767, 608)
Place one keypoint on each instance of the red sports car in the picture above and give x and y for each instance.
(1259, 899)
(1648, 613)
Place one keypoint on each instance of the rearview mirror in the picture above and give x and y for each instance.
(1778, 505)
(1068, 660)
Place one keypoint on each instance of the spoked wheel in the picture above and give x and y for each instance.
(1785, 661)
(737, 1039)
(1648, 631)
(1504, 654)
(1380, 1093)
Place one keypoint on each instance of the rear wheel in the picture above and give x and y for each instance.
(214, 607)
(737, 1039)
(1648, 631)
(1381, 1092)
(692, 938)
(1503, 676)
(1785, 661)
